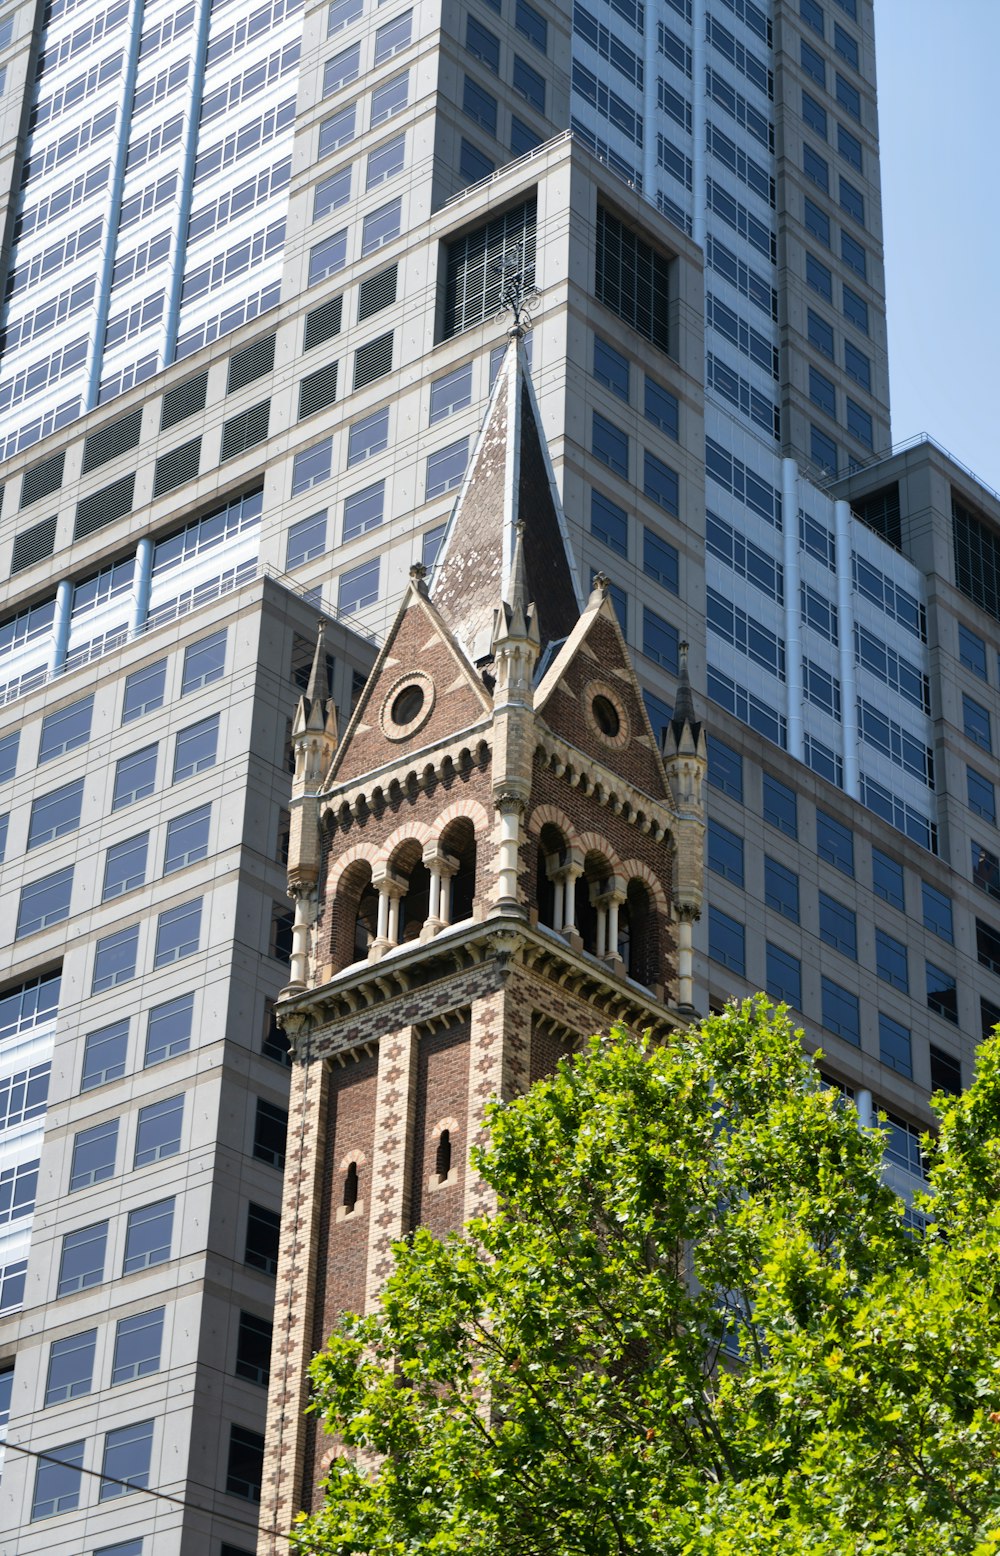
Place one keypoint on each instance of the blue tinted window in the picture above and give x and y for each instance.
(609, 523)
(726, 941)
(887, 879)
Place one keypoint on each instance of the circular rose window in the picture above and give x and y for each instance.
(606, 716)
(407, 705)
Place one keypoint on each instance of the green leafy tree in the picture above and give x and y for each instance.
(699, 1322)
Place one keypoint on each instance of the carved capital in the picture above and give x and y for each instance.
(509, 803)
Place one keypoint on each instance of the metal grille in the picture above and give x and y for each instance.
(318, 390)
(243, 431)
(472, 284)
(42, 480)
(323, 323)
(633, 279)
(103, 507)
(880, 511)
(376, 292)
(184, 400)
(977, 558)
(373, 361)
(176, 467)
(33, 544)
(252, 362)
(111, 441)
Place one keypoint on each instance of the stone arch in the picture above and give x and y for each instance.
(412, 831)
(366, 851)
(635, 869)
(551, 815)
(642, 922)
(468, 808)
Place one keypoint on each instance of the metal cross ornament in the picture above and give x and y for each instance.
(515, 294)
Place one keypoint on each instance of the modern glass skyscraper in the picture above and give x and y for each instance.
(255, 258)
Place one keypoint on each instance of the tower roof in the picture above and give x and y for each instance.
(509, 480)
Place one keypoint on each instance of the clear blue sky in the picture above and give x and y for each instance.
(939, 125)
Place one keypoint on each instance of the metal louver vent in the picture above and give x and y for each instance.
(184, 400)
(373, 361)
(323, 323)
(33, 544)
(376, 292)
(318, 390)
(103, 507)
(108, 442)
(252, 362)
(176, 467)
(243, 431)
(42, 480)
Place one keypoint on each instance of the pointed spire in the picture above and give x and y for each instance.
(318, 688)
(509, 482)
(684, 709)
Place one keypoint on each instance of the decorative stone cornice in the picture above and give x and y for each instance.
(649, 816)
(379, 790)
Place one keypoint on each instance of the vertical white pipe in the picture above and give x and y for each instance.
(61, 625)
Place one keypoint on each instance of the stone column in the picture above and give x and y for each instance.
(613, 901)
(511, 807)
(569, 875)
(304, 908)
(389, 889)
(685, 959)
(441, 867)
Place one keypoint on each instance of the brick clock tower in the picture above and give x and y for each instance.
(494, 860)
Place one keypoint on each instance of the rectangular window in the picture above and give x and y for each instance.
(609, 444)
(989, 1015)
(341, 14)
(975, 723)
(57, 1484)
(204, 662)
(859, 424)
(187, 839)
(814, 114)
(253, 1349)
(482, 44)
(82, 1262)
(725, 768)
(135, 777)
(660, 641)
(263, 1232)
(660, 560)
(65, 730)
(342, 69)
(245, 1466)
(71, 1367)
(988, 946)
(385, 162)
(725, 852)
(195, 748)
(817, 221)
(819, 277)
(338, 130)
(306, 539)
(942, 992)
(848, 97)
(812, 62)
(56, 813)
(780, 806)
(44, 902)
(661, 407)
(389, 99)
(127, 1452)
(812, 15)
(841, 1012)
(845, 45)
(392, 37)
(946, 1072)
(125, 866)
(852, 201)
(820, 334)
(358, 587)
(8, 756)
(726, 941)
(326, 258)
(168, 1031)
(531, 24)
(855, 309)
(816, 168)
(611, 367)
(104, 1055)
(311, 466)
(381, 227)
(331, 193)
(368, 436)
(781, 889)
(451, 393)
(148, 1236)
(660, 483)
(849, 148)
(857, 365)
(834, 842)
(115, 959)
(144, 690)
(270, 1134)
(853, 254)
(473, 164)
(363, 510)
(138, 1342)
(887, 879)
(937, 912)
(529, 83)
(177, 933)
(94, 1152)
(158, 1133)
(821, 392)
(981, 795)
(609, 523)
(784, 977)
(972, 652)
(894, 1045)
(986, 870)
(890, 960)
(522, 138)
(445, 468)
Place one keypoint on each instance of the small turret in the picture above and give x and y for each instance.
(314, 741)
(685, 758)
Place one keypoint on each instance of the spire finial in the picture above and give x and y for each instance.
(518, 573)
(684, 710)
(518, 293)
(318, 688)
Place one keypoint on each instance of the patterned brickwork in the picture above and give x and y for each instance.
(442, 1101)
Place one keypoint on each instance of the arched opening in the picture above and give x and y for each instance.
(552, 853)
(442, 1161)
(590, 886)
(355, 914)
(458, 841)
(366, 922)
(415, 905)
(637, 934)
(351, 1188)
